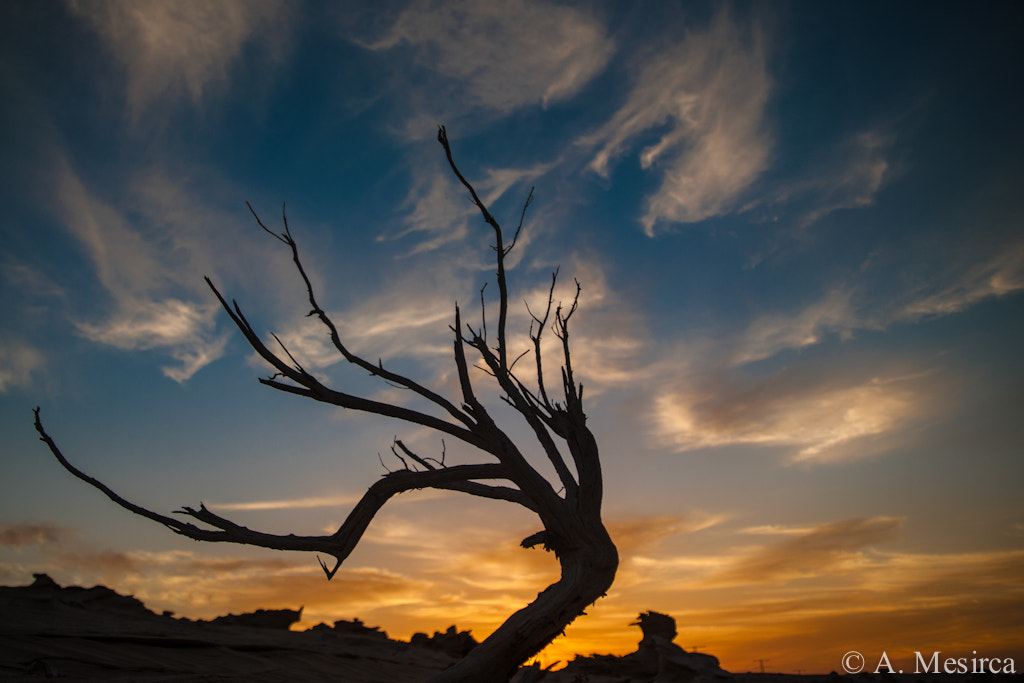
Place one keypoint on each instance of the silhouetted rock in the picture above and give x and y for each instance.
(262, 618)
(355, 627)
(98, 598)
(657, 659)
(451, 642)
(656, 625)
(44, 581)
(93, 634)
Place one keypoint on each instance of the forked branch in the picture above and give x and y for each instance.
(372, 368)
(305, 384)
(499, 247)
(572, 525)
(469, 422)
(340, 544)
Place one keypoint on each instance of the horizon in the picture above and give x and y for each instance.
(799, 233)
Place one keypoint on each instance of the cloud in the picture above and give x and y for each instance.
(771, 333)
(852, 183)
(606, 332)
(19, 363)
(825, 549)
(997, 276)
(409, 319)
(503, 55)
(182, 49)
(438, 210)
(291, 504)
(775, 530)
(942, 599)
(145, 261)
(183, 328)
(26, 535)
(406, 323)
(208, 584)
(852, 306)
(635, 534)
(32, 281)
(408, 314)
(847, 174)
(837, 551)
(833, 579)
(705, 98)
(725, 399)
(124, 262)
(828, 585)
(205, 586)
(817, 417)
(642, 542)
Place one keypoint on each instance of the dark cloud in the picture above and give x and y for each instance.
(26, 535)
(812, 552)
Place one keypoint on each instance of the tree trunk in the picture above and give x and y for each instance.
(588, 570)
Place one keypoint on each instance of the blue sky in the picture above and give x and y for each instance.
(798, 229)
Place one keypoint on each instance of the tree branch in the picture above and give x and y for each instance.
(541, 325)
(525, 407)
(499, 248)
(309, 386)
(339, 544)
(374, 369)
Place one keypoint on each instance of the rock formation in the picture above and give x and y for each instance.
(452, 642)
(656, 660)
(262, 618)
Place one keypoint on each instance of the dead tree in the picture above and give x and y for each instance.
(569, 509)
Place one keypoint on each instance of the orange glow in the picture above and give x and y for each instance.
(796, 597)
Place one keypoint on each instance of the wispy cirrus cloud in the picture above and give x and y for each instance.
(180, 50)
(150, 253)
(945, 289)
(503, 55)
(408, 318)
(852, 182)
(183, 329)
(705, 97)
(437, 211)
(768, 334)
(846, 174)
(999, 275)
(818, 418)
(829, 416)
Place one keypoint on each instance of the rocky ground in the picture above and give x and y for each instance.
(94, 634)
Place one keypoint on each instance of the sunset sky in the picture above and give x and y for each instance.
(799, 231)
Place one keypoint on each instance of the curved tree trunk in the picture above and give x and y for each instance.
(569, 512)
(588, 570)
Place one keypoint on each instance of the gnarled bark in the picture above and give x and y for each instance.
(570, 512)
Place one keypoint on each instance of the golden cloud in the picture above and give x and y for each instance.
(820, 417)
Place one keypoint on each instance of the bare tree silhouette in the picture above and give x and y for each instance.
(569, 509)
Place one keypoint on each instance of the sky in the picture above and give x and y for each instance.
(799, 232)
